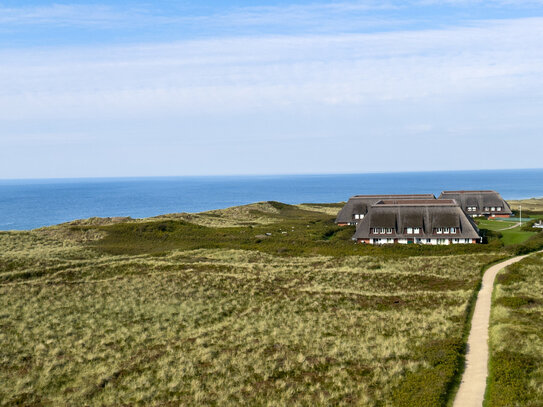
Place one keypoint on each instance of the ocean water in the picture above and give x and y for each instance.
(29, 204)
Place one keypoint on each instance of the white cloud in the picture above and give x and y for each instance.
(244, 74)
(247, 99)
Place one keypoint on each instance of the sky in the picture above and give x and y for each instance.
(223, 87)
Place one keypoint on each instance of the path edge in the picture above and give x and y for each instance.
(454, 384)
(492, 302)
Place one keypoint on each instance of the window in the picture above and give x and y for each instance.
(453, 230)
(499, 208)
(446, 230)
(439, 231)
(472, 208)
(416, 230)
(486, 208)
(389, 231)
(493, 209)
(409, 231)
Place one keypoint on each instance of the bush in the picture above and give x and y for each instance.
(508, 372)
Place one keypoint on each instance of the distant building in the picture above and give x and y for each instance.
(422, 221)
(480, 203)
(539, 224)
(357, 207)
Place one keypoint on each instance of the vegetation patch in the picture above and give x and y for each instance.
(263, 304)
(516, 336)
(443, 358)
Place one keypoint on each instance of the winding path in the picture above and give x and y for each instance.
(473, 384)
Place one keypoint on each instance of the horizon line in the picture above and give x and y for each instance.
(135, 177)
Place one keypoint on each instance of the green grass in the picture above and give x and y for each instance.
(207, 309)
(508, 236)
(516, 236)
(495, 225)
(516, 336)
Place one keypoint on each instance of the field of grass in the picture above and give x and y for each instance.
(268, 304)
(528, 205)
(508, 236)
(516, 336)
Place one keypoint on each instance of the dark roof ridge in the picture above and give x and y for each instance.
(416, 202)
(464, 191)
(391, 195)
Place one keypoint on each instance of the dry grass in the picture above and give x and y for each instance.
(528, 205)
(260, 213)
(220, 327)
(516, 336)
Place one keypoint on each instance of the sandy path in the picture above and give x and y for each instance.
(511, 227)
(473, 385)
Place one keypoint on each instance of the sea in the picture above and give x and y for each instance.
(29, 204)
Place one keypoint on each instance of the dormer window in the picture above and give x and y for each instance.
(412, 231)
(359, 216)
(493, 209)
(383, 231)
(472, 208)
(446, 231)
(499, 208)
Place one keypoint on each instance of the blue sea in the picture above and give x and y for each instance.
(29, 204)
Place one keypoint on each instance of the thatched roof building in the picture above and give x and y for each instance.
(357, 207)
(424, 221)
(480, 203)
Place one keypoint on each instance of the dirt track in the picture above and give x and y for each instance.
(473, 385)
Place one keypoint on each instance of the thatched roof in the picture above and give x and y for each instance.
(478, 199)
(360, 204)
(423, 214)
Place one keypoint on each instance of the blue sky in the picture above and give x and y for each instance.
(124, 88)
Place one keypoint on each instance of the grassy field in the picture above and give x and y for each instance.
(268, 304)
(508, 236)
(528, 205)
(516, 339)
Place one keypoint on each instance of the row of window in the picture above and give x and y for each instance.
(487, 208)
(414, 231)
(382, 231)
(358, 216)
(446, 231)
(493, 208)
(424, 241)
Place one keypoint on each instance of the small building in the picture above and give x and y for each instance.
(480, 203)
(357, 206)
(539, 224)
(435, 222)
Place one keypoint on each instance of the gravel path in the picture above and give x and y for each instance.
(473, 385)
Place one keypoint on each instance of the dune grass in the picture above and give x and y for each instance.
(528, 205)
(516, 336)
(288, 312)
